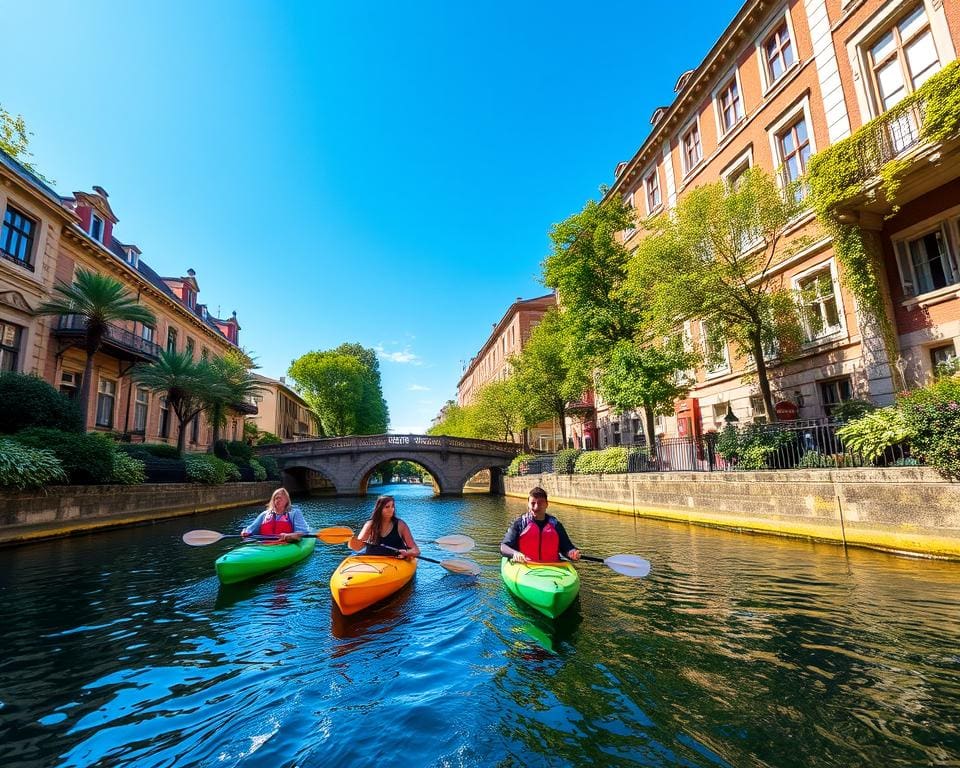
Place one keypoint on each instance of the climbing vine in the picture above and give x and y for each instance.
(842, 172)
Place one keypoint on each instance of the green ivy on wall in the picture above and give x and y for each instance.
(843, 171)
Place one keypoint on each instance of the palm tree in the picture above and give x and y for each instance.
(97, 300)
(188, 386)
(233, 373)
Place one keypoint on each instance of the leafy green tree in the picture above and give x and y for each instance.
(715, 259)
(498, 413)
(233, 384)
(373, 416)
(96, 301)
(457, 421)
(15, 141)
(547, 372)
(187, 384)
(646, 376)
(334, 386)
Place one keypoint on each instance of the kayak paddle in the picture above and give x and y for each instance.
(626, 565)
(453, 564)
(202, 538)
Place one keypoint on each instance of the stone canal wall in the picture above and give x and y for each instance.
(63, 510)
(908, 509)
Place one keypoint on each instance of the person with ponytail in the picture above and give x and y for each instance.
(385, 533)
(280, 519)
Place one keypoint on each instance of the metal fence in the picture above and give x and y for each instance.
(780, 446)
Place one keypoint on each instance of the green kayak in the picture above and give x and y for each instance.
(548, 587)
(257, 559)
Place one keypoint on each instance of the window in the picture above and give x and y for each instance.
(818, 301)
(714, 349)
(651, 187)
(834, 392)
(758, 409)
(164, 430)
(10, 338)
(615, 432)
(718, 411)
(171, 340)
(793, 146)
(195, 429)
(147, 332)
(903, 58)
(16, 241)
(927, 262)
(140, 410)
(729, 106)
(777, 51)
(204, 353)
(106, 395)
(943, 357)
(631, 230)
(690, 148)
(70, 384)
(190, 346)
(96, 228)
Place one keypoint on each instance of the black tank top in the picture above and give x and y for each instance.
(392, 539)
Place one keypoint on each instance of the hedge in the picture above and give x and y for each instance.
(608, 461)
(25, 468)
(29, 401)
(87, 458)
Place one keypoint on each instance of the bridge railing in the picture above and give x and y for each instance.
(386, 442)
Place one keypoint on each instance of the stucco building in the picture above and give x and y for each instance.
(46, 238)
(282, 411)
(785, 81)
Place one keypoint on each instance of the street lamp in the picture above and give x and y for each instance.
(731, 417)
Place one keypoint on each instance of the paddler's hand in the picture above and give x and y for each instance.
(403, 554)
(519, 557)
(292, 537)
(573, 554)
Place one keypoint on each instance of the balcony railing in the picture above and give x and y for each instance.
(116, 340)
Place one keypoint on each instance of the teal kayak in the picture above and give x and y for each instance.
(548, 587)
(252, 560)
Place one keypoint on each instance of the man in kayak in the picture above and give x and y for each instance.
(537, 536)
(385, 533)
(280, 519)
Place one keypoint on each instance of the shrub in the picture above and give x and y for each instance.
(165, 470)
(268, 438)
(751, 446)
(519, 463)
(608, 461)
(162, 450)
(270, 465)
(127, 470)
(933, 416)
(221, 451)
(240, 450)
(565, 460)
(207, 469)
(849, 410)
(86, 458)
(28, 401)
(876, 431)
(26, 468)
(816, 460)
(259, 471)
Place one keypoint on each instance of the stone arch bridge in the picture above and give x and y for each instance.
(348, 462)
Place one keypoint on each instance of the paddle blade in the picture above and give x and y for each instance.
(464, 567)
(628, 565)
(201, 538)
(455, 543)
(336, 535)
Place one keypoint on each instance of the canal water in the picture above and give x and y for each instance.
(120, 649)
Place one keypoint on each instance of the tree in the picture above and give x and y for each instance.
(547, 373)
(188, 386)
(96, 301)
(334, 386)
(456, 422)
(646, 377)
(373, 416)
(714, 259)
(588, 268)
(498, 411)
(15, 141)
(234, 383)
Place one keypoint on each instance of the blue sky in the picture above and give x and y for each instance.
(377, 173)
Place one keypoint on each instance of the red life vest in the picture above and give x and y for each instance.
(540, 545)
(273, 525)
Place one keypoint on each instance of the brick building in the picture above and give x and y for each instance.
(45, 239)
(784, 81)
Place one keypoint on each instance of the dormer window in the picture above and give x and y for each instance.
(203, 311)
(191, 299)
(96, 228)
(132, 258)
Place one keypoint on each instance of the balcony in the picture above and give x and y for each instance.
(117, 342)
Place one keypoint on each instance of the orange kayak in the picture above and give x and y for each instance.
(362, 580)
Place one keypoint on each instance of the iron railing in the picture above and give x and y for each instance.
(115, 336)
(782, 446)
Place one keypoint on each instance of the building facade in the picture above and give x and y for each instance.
(45, 240)
(492, 361)
(785, 81)
(282, 411)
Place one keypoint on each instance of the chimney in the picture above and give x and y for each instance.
(191, 273)
(283, 379)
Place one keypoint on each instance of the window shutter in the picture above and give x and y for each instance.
(906, 270)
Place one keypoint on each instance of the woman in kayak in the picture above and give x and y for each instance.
(280, 519)
(537, 536)
(385, 533)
